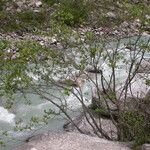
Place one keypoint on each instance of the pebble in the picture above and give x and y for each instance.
(38, 4)
(111, 15)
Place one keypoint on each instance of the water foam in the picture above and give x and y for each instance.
(6, 116)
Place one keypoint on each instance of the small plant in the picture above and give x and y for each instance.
(72, 12)
(2, 4)
(134, 127)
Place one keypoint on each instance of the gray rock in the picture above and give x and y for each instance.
(38, 4)
(19, 4)
(125, 24)
(83, 124)
(145, 147)
(26, 147)
(111, 15)
(147, 16)
(33, 149)
(71, 141)
(144, 67)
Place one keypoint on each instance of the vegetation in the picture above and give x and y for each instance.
(55, 68)
(74, 13)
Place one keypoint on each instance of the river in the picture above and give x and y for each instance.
(24, 111)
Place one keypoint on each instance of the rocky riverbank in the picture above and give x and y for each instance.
(30, 20)
(74, 141)
(71, 141)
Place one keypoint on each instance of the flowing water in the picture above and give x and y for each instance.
(37, 107)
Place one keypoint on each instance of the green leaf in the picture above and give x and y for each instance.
(147, 82)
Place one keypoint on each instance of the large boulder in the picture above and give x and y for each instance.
(84, 121)
(71, 141)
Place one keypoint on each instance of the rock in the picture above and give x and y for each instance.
(74, 81)
(68, 125)
(53, 40)
(38, 4)
(69, 82)
(71, 141)
(111, 15)
(25, 147)
(42, 43)
(137, 23)
(36, 10)
(33, 149)
(101, 104)
(135, 1)
(145, 33)
(115, 32)
(137, 89)
(19, 4)
(83, 124)
(144, 67)
(125, 24)
(147, 16)
(145, 147)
